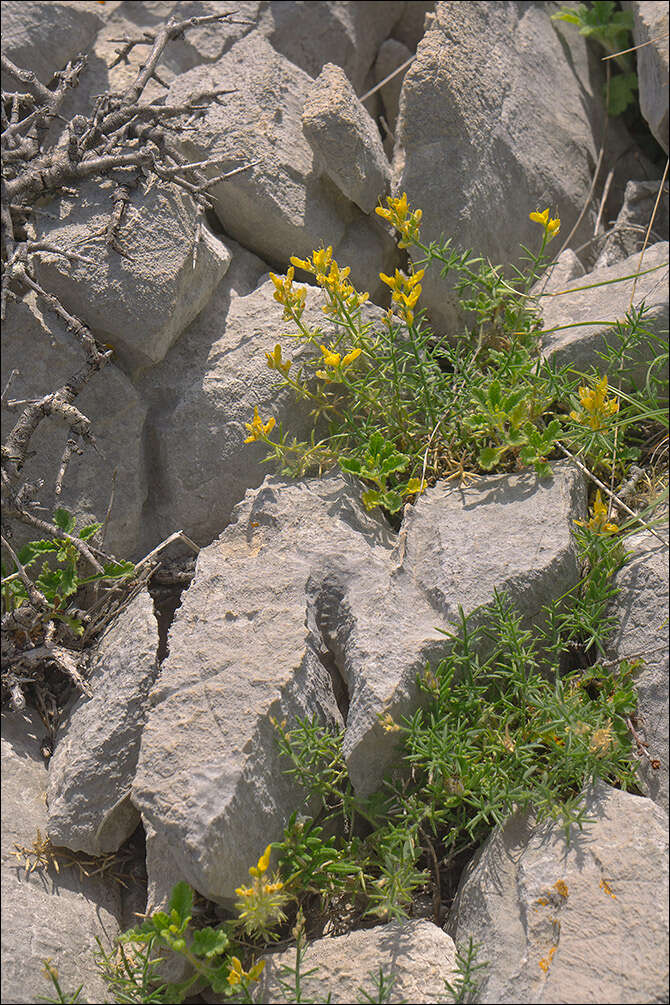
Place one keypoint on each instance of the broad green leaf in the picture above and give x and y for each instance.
(395, 462)
(495, 394)
(209, 942)
(181, 901)
(622, 92)
(350, 464)
(488, 456)
(371, 498)
(393, 501)
(64, 520)
(89, 531)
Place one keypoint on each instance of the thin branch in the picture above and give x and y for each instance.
(609, 493)
(36, 597)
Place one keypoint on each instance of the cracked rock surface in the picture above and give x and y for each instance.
(245, 646)
(580, 922)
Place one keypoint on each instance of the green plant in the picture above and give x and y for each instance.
(56, 583)
(399, 408)
(612, 30)
(465, 985)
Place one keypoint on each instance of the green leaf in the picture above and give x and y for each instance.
(371, 498)
(495, 394)
(219, 979)
(488, 456)
(350, 464)
(88, 532)
(393, 501)
(622, 93)
(395, 462)
(30, 551)
(209, 942)
(64, 520)
(181, 901)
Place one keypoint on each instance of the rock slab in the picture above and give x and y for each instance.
(93, 765)
(584, 922)
(308, 605)
(45, 915)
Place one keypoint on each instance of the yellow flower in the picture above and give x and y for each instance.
(331, 278)
(237, 974)
(292, 300)
(416, 485)
(551, 227)
(387, 723)
(405, 291)
(351, 356)
(330, 358)
(597, 407)
(398, 215)
(275, 361)
(601, 741)
(599, 523)
(257, 428)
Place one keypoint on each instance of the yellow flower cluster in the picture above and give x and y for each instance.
(257, 428)
(599, 523)
(336, 362)
(405, 291)
(597, 407)
(398, 215)
(260, 905)
(332, 279)
(602, 740)
(292, 300)
(275, 361)
(387, 722)
(551, 227)
(237, 974)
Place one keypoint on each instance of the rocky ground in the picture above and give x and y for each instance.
(303, 602)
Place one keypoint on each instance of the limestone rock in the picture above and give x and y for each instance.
(93, 765)
(630, 228)
(279, 205)
(349, 611)
(414, 22)
(43, 37)
(139, 301)
(604, 305)
(642, 609)
(584, 922)
(472, 143)
(345, 139)
(45, 355)
(347, 34)
(391, 55)
(45, 915)
(418, 954)
(650, 29)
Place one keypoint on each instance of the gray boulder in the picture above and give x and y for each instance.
(580, 922)
(414, 22)
(204, 393)
(90, 808)
(139, 301)
(345, 139)
(630, 227)
(43, 37)
(306, 600)
(45, 914)
(45, 355)
(642, 609)
(417, 954)
(347, 34)
(391, 55)
(650, 30)
(473, 149)
(579, 322)
(280, 206)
